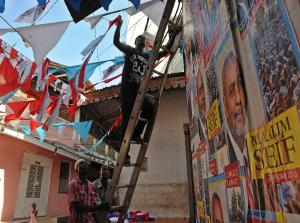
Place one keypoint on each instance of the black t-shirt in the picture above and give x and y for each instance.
(134, 68)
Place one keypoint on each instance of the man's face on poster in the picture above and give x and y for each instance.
(201, 97)
(217, 212)
(234, 98)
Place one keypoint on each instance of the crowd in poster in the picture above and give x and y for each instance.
(243, 92)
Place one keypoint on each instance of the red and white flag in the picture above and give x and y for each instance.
(54, 113)
(17, 108)
(8, 77)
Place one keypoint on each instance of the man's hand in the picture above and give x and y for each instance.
(120, 22)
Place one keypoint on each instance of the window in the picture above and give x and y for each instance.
(64, 177)
(34, 183)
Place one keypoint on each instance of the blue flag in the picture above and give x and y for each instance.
(73, 71)
(82, 128)
(26, 129)
(2, 6)
(136, 3)
(41, 132)
(105, 4)
(42, 2)
(94, 147)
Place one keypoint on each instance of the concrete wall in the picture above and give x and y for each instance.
(162, 189)
(12, 151)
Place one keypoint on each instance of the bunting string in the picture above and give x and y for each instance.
(76, 85)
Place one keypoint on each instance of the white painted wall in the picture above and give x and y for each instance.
(162, 190)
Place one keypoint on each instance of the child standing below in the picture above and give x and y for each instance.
(33, 214)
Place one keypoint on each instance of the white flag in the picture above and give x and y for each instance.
(144, 4)
(152, 9)
(92, 45)
(42, 38)
(93, 20)
(31, 15)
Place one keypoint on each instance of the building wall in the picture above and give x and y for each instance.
(162, 189)
(12, 151)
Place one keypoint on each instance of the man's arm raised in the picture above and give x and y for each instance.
(121, 46)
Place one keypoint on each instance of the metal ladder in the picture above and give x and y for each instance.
(123, 208)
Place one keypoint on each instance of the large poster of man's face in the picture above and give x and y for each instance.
(234, 97)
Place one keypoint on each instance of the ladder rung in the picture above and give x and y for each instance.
(143, 120)
(139, 143)
(154, 97)
(124, 186)
(117, 208)
(132, 164)
(157, 72)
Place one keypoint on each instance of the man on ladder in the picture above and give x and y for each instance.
(134, 68)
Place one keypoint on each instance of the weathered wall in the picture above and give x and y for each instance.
(162, 189)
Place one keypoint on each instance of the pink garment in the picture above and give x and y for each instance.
(33, 217)
(86, 196)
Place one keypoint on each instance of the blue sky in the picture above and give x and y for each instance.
(75, 39)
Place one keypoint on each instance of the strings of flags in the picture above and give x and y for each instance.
(19, 73)
(114, 125)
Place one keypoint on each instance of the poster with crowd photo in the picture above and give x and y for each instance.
(277, 58)
(275, 49)
(210, 21)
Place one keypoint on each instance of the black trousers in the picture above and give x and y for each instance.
(128, 96)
